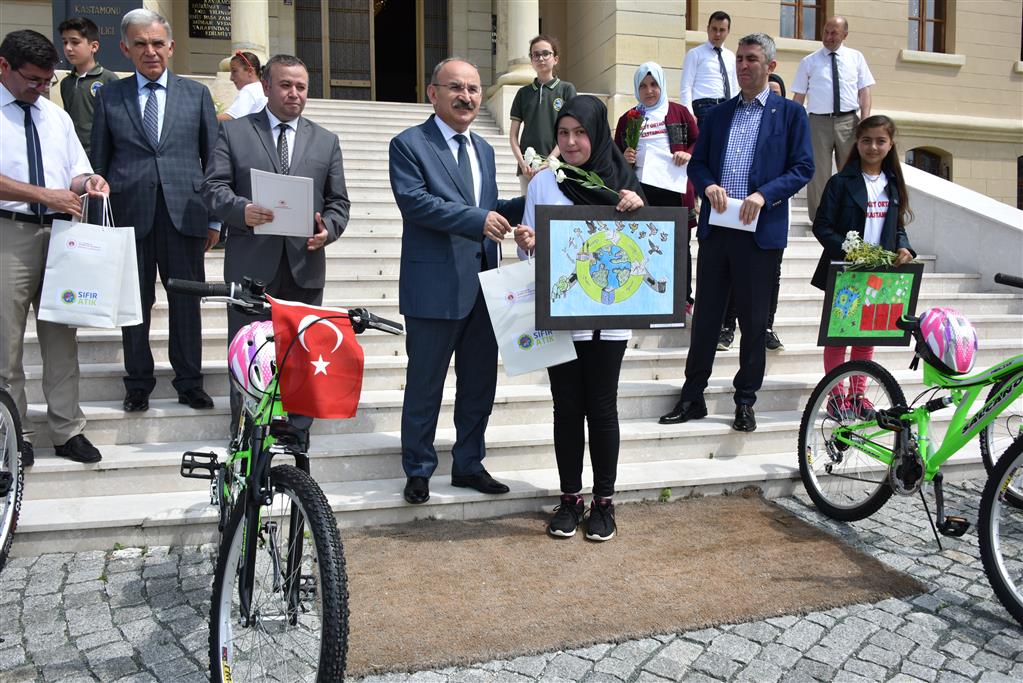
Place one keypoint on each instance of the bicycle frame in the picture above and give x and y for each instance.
(963, 426)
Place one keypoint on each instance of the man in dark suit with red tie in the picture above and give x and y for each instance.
(152, 137)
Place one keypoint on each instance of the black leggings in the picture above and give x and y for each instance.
(658, 196)
(587, 388)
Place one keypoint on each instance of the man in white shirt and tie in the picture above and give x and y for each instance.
(836, 80)
(708, 72)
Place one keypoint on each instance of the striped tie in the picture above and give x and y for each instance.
(151, 116)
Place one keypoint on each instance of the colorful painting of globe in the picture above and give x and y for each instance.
(608, 276)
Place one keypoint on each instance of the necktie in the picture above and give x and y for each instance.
(35, 155)
(836, 98)
(464, 166)
(282, 148)
(724, 74)
(151, 115)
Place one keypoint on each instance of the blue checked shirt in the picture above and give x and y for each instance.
(742, 141)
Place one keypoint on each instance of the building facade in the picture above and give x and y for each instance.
(950, 72)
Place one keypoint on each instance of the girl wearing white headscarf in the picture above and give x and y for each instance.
(669, 126)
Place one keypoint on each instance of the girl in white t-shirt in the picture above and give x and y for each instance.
(245, 73)
(585, 391)
(869, 196)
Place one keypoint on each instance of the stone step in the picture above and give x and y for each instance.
(186, 517)
(104, 346)
(380, 410)
(103, 381)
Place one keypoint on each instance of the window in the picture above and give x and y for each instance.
(802, 19)
(926, 160)
(691, 18)
(927, 25)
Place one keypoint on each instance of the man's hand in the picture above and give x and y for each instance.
(750, 208)
(903, 256)
(97, 186)
(628, 201)
(496, 226)
(212, 237)
(681, 158)
(525, 237)
(62, 201)
(630, 155)
(257, 215)
(717, 197)
(319, 238)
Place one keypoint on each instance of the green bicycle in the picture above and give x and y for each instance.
(12, 473)
(858, 447)
(280, 590)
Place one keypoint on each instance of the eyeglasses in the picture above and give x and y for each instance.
(537, 56)
(472, 90)
(38, 83)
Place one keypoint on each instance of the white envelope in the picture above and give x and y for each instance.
(289, 197)
(730, 217)
(658, 168)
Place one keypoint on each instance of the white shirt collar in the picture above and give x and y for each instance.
(141, 81)
(274, 121)
(710, 46)
(448, 132)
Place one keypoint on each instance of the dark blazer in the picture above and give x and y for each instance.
(782, 163)
(843, 207)
(122, 153)
(442, 234)
(248, 143)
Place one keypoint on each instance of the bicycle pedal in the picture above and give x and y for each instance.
(6, 482)
(307, 586)
(195, 465)
(954, 526)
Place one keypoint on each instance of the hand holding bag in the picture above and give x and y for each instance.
(510, 295)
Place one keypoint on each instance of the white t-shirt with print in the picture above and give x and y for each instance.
(877, 207)
(250, 100)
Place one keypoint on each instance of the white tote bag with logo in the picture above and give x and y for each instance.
(92, 275)
(510, 294)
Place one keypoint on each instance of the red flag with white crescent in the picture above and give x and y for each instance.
(321, 374)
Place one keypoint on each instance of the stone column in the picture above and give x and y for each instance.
(518, 21)
(250, 32)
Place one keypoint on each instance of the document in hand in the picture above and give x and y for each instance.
(657, 167)
(291, 200)
(730, 217)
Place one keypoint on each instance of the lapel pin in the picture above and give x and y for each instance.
(773, 110)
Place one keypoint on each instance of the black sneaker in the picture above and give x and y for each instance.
(28, 454)
(566, 517)
(725, 339)
(600, 524)
(772, 342)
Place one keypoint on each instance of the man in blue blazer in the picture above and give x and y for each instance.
(443, 179)
(754, 150)
(152, 136)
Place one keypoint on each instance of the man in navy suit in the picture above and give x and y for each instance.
(443, 179)
(754, 149)
(152, 136)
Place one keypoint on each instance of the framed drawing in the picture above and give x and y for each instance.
(598, 268)
(861, 306)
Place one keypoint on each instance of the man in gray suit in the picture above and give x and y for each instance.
(277, 140)
(154, 132)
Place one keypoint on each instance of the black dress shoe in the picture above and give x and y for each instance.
(79, 449)
(684, 411)
(481, 481)
(745, 421)
(28, 454)
(136, 400)
(417, 490)
(195, 398)
(290, 436)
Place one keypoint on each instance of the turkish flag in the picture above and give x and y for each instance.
(319, 362)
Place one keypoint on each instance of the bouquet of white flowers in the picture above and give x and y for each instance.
(863, 255)
(587, 179)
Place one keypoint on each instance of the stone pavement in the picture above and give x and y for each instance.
(138, 614)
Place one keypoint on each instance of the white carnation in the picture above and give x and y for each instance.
(559, 175)
(554, 164)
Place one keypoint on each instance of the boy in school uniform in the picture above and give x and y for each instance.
(79, 88)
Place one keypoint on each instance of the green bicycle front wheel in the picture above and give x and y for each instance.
(1000, 531)
(12, 474)
(297, 626)
(999, 434)
(844, 481)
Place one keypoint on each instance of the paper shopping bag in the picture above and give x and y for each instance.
(510, 295)
(91, 276)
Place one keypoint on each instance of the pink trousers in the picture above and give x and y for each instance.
(835, 356)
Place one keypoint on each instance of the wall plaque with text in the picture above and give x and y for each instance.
(209, 19)
(107, 16)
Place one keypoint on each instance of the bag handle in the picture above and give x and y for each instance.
(107, 218)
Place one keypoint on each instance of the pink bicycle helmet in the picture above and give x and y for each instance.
(249, 358)
(949, 340)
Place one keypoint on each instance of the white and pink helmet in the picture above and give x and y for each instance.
(249, 358)
(949, 340)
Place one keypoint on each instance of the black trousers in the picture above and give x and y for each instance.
(176, 256)
(730, 260)
(658, 196)
(731, 314)
(586, 389)
(283, 286)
